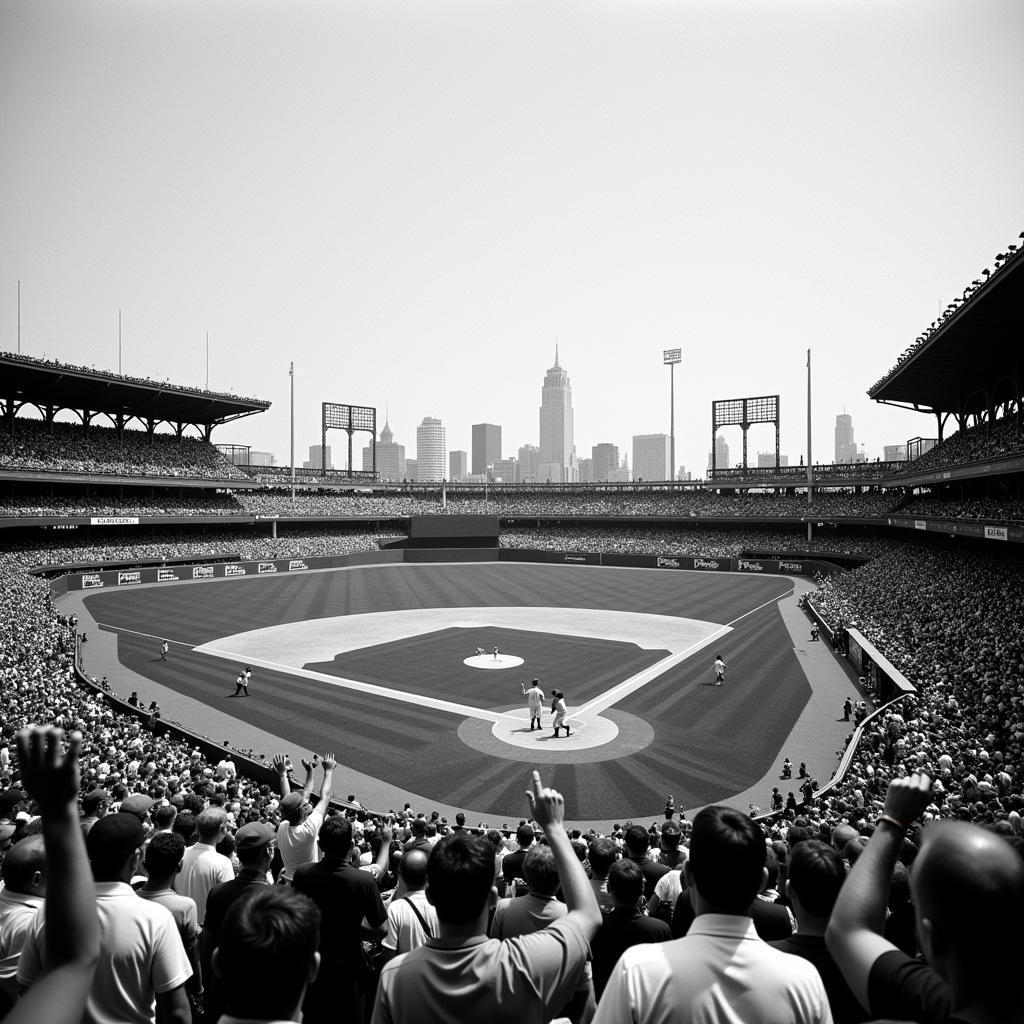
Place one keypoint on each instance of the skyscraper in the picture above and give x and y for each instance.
(557, 458)
(529, 458)
(316, 458)
(431, 453)
(457, 466)
(605, 458)
(846, 448)
(486, 446)
(652, 457)
(391, 461)
(721, 453)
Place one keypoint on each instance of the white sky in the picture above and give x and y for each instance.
(413, 199)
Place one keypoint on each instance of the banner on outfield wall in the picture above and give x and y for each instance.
(114, 521)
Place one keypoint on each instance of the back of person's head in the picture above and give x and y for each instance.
(540, 871)
(210, 823)
(841, 835)
(164, 853)
(968, 887)
(413, 869)
(460, 876)
(111, 845)
(419, 827)
(185, 825)
(626, 882)
(24, 867)
(816, 874)
(525, 836)
(495, 838)
(727, 855)
(270, 933)
(335, 837)
(854, 848)
(603, 853)
(637, 840)
(163, 817)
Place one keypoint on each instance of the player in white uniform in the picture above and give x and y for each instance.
(535, 702)
(719, 670)
(558, 707)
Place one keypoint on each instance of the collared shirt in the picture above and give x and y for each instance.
(719, 972)
(202, 868)
(17, 918)
(297, 843)
(520, 915)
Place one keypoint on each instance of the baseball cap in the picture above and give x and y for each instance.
(253, 836)
(138, 804)
(670, 828)
(113, 838)
(290, 804)
(93, 799)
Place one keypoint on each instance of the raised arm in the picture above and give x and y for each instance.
(854, 935)
(307, 786)
(325, 790)
(547, 808)
(72, 927)
(280, 763)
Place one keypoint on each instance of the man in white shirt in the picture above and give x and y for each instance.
(412, 919)
(297, 833)
(721, 970)
(202, 866)
(142, 967)
(24, 875)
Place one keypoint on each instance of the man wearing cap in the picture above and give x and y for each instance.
(298, 831)
(95, 804)
(202, 866)
(254, 846)
(138, 804)
(24, 875)
(142, 967)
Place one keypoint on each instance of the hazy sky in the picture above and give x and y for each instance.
(412, 200)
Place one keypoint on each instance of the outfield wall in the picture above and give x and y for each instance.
(107, 578)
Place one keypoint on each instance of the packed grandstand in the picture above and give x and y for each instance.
(932, 576)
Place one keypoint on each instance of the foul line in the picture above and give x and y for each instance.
(612, 697)
(151, 636)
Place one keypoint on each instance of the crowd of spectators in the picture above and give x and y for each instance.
(69, 448)
(700, 541)
(1006, 508)
(202, 504)
(1001, 439)
(948, 618)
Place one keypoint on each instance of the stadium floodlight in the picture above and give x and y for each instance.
(671, 357)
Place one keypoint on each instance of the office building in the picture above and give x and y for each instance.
(620, 475)
(431, 453)
(605, 459)
(846, 448)
(457, 466)
(505, 470)
(894, 453)
(585, 471)
(486, 446)
(652, 457)
(260, 458)
(529, 460)
(721, 453)
(411, 470)
(391, 461)
(315, 460)
(557, 460)
(766, 460)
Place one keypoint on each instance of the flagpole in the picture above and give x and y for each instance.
(291, 373)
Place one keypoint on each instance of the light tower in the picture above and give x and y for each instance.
(671, 356)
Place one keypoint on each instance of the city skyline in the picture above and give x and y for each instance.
(415, 203)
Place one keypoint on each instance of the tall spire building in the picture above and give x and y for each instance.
(557, 457)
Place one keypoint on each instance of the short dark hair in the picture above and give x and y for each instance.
(164, 853)
(638, 841)
(272, 932)
(727, 854)
(525, 835)
(185, 825)
(816, 874)
(602, 854)
(460, 875)
(336, 836)
(540, 871)
(626, 881)
(164, 815)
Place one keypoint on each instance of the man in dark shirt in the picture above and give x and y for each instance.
(347, 897)
(624, 926)
(254, 846)
(968, 890)
(512, 864)
(637, 845)
(816, 874)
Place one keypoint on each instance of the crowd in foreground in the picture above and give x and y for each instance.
(945, 617)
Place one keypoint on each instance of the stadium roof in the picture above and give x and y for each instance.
(41, 382)
(957, 366)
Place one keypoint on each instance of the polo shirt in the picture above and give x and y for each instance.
(297, 843)
(526, 980)
(182, 909)
(621, 929)
(202, 868)
(17, 919)
(520, 915)
(404, 929)
(719, 972)
(141, 955)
